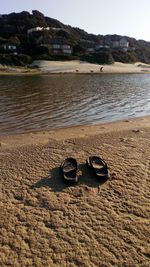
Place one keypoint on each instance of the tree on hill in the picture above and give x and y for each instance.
(14, 40)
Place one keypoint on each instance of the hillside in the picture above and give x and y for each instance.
(25, 37)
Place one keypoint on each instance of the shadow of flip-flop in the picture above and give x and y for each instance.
(54, 181)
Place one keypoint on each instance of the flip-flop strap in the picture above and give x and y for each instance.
(104, 168)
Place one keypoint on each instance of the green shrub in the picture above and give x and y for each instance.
(15, 60)
(124, 57)
(99, 58)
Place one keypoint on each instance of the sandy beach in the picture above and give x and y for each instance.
(75, 66)
(95, 223)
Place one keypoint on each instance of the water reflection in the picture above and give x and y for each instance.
(30, 103)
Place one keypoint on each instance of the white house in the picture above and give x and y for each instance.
(11, 48)
(37, 29)
(124, 43)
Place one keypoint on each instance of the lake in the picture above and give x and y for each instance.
(41, 102)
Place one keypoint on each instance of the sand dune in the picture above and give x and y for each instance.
(96, 223)
(75, 66)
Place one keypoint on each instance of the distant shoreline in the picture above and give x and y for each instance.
(75, 67)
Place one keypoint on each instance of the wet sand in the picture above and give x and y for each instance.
(75, 66)
(96, 223)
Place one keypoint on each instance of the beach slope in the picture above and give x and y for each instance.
(96, 223)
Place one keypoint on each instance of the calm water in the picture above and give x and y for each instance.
(30, 103)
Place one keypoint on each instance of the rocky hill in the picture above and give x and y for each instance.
(25, 37)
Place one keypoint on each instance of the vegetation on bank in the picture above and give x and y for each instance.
(15, 60)
(19, 48)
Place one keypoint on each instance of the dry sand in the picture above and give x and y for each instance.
(75, 66)
(96, 223)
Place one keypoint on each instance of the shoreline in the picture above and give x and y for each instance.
(40, 213)
(76, 131)
(75, 67)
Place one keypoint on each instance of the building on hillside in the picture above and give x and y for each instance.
(118, 42)
(124, 44)
(58, 45)
(11, 48)
(89, 46)
(36, 29)
(61, 46)
(30, 31)
(113, 42)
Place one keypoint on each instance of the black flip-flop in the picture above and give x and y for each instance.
(99, 166)
(69, 169)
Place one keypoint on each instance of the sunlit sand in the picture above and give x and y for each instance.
(96, 223)
(75, 66)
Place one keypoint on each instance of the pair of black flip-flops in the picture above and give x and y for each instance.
(69, 168)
